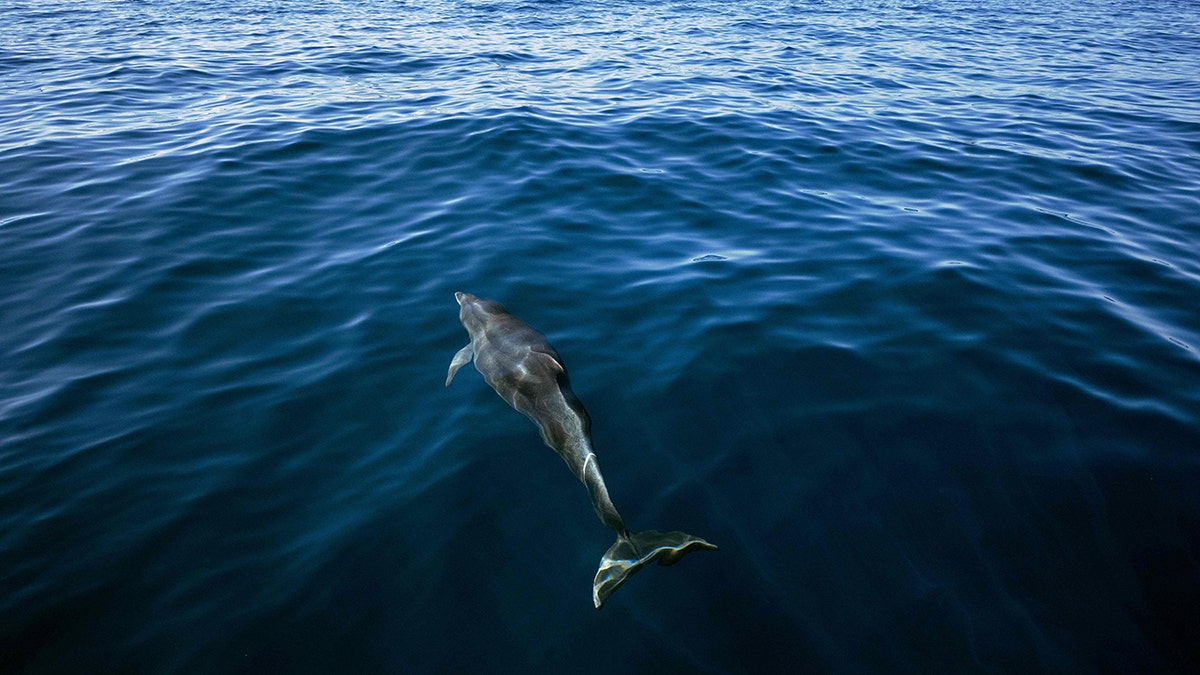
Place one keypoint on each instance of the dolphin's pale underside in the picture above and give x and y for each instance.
(526, 371)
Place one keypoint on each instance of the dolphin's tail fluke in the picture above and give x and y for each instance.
(633, 551)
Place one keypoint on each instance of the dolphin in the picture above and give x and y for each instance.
(526, 371)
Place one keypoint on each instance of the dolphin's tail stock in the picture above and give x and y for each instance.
(633, 551)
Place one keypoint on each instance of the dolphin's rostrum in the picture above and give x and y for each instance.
(525, 370)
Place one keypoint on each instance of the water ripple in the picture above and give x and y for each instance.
(894, 301)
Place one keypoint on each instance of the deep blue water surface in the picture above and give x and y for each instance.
(898, 302)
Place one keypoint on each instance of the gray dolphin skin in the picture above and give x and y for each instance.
(524, 369)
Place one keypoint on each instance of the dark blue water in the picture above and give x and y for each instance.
(896, 302)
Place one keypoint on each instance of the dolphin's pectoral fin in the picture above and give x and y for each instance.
(462, 358)
(624, 558)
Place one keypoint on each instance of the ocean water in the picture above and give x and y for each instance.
(894, 301)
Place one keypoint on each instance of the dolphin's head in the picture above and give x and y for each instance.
(475, 311)
(466, 300)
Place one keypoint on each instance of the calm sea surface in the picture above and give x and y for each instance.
(898, 302)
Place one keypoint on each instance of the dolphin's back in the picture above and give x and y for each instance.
(526, 371)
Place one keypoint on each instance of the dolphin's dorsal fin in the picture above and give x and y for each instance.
(550, 358)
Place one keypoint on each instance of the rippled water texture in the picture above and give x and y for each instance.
(896, 302)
